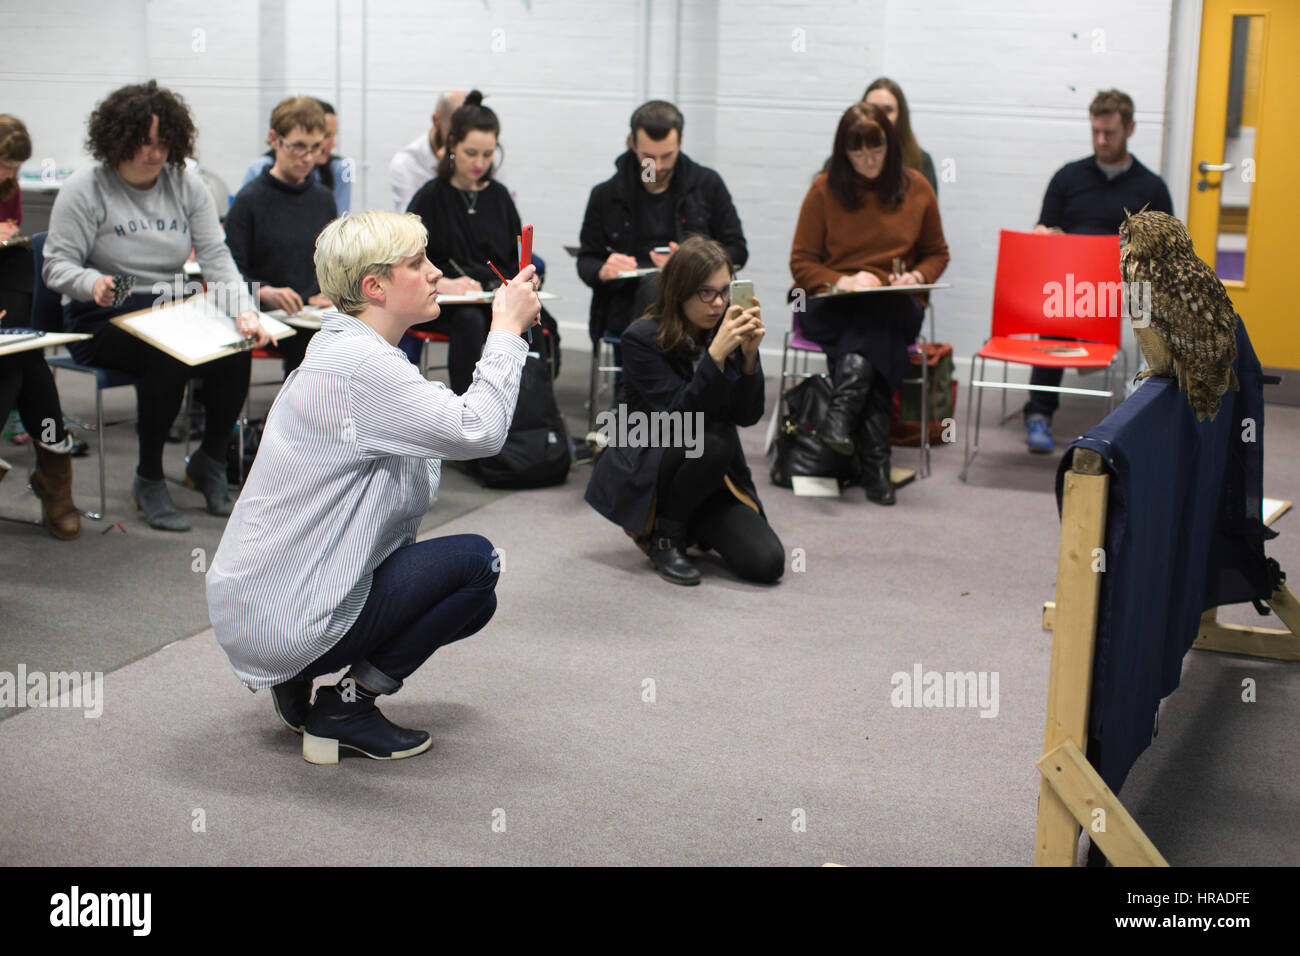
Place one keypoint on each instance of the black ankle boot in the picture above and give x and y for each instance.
(874, 454)
(357, 724)
(292, 701)
(853, 377)
(668, 553)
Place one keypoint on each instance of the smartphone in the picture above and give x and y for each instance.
(526, 247)
(742, 293)
(663, 250)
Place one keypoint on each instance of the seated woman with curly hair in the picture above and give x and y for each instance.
(691, 355)
(138, 212)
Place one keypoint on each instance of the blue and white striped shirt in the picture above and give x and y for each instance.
(347, 466)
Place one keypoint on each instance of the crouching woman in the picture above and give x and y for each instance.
(319, 569)
(694, 357)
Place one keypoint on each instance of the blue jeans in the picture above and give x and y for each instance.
(423, 596)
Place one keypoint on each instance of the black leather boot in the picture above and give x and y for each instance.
(852, 379)
(292, 701)
(355, 723)
(874, 453)
(668, 553)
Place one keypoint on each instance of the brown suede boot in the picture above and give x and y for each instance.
(52, 482)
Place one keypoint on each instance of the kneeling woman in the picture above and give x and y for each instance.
(319, 568)
(692, 355)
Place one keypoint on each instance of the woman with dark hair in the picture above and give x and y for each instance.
(25, 380)
(332, 172)
(888, 95)
(863, 217)
(128, 223)
(471, 220)
(691, 373)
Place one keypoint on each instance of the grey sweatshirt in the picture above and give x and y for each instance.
(101, 226)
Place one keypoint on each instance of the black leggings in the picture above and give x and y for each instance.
(693, 491)
(25, 380)
(161, 389)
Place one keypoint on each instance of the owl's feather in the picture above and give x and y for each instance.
(1192, 333)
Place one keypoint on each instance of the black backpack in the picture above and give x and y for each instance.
(536, 453)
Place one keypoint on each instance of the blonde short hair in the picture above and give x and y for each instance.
(366, 244)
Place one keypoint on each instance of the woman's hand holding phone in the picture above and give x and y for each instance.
(736, 326)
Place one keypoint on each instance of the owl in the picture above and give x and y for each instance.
(1192, 332)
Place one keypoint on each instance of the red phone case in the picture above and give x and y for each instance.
(526, 247)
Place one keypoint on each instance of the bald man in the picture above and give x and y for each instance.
(415, 164)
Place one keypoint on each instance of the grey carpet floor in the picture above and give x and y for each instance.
(770, 705)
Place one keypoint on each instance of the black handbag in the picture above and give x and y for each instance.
(799, 452)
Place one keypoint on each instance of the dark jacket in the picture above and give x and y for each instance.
(622, 485)
(703, 207)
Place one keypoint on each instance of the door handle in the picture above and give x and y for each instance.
(1203, 167)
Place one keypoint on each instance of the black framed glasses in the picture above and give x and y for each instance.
(300, 149)
(709, 296)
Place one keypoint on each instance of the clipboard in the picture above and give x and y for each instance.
(921, 287)
(11, 345)
(195, 331)
(634, 274)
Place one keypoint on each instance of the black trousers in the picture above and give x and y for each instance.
(161, 388)
(467, 328)
(26, 382)
(693, 491)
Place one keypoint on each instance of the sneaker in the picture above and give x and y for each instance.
(1038, 429)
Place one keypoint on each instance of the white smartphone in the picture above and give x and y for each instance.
(742, 293)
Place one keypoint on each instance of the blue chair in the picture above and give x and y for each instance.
(47, 314)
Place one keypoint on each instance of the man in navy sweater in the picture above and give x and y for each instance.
(1089, 197)
(273, 223)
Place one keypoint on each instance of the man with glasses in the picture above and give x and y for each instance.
(656, 199)
(274, 221)
(1089, 197)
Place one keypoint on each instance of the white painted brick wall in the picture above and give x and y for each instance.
(1001, 88)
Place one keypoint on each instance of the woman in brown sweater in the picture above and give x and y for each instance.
(862, 218)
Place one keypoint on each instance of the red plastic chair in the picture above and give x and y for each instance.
(1039, 276)
(427, 338)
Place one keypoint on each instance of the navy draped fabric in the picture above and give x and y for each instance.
(1184, 533)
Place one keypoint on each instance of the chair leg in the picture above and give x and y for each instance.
(923, 464)
(99, 435)
(967, 455)
(591, 386)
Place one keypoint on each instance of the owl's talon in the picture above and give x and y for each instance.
(1145, 373)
